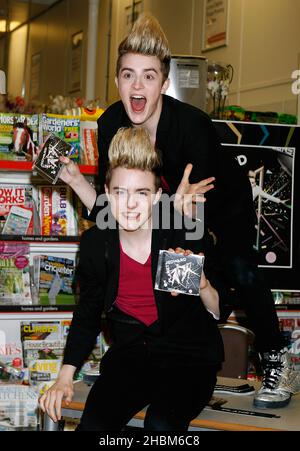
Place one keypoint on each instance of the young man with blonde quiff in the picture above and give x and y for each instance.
(166, 347)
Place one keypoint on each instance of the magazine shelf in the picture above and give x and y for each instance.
(26, 166)
(37, 309)
(39, 239)
(40, 228)
(66, 247)
(60, 248)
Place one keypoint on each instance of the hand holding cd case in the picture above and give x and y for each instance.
(179, 272)
(48, 164)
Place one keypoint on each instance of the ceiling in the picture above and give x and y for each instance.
(19, 11)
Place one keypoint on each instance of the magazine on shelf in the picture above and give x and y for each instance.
(286, 298)
(89, 137)
(11, 358)
(65, 127)
(54, 279)
(48, 163)
(82, 223)
(22, 200)
(43, 370)
(14, 274)
(42, 350)
(290, 329)
(43, 346)
(179, 273)
(90, 370)
(57, 212)
(18, 136)
(40, 330)
(18, 407)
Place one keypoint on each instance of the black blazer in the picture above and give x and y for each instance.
(187, 331)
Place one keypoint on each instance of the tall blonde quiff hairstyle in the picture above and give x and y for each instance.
(146, 38)
(131, 148)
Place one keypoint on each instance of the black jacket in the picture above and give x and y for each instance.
(188, 334)
(185, 135)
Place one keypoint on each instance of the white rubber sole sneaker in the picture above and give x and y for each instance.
(271, 399)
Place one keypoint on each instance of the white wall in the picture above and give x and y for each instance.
(263, 47)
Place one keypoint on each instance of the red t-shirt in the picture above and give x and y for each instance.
(135, 295)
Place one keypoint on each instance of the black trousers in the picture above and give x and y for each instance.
(257, 301)
(129, 382)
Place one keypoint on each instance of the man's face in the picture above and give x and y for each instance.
(132, 195)
(140, 83)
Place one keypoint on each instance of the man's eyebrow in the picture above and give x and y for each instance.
(127, 68)
(151, 69)
(148, 69)
(125, 189)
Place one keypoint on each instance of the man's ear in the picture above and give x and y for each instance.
(165, 86)
(117, 82)
(157, 196)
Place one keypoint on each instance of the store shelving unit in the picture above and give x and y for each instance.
(26, 166)
(66, 246)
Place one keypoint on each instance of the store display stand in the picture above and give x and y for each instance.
(15, 172)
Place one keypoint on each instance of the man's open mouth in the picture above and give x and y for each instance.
(138, 103)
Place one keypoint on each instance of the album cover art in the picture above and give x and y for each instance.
(179, 272)
(65, 127)
(48, 164)
(271, 172)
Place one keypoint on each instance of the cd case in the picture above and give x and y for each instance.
(179, 272)
(47, 163)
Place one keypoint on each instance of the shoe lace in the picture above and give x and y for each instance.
(272, 374)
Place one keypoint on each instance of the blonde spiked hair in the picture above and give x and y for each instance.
(131, 148)
(147, 38)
